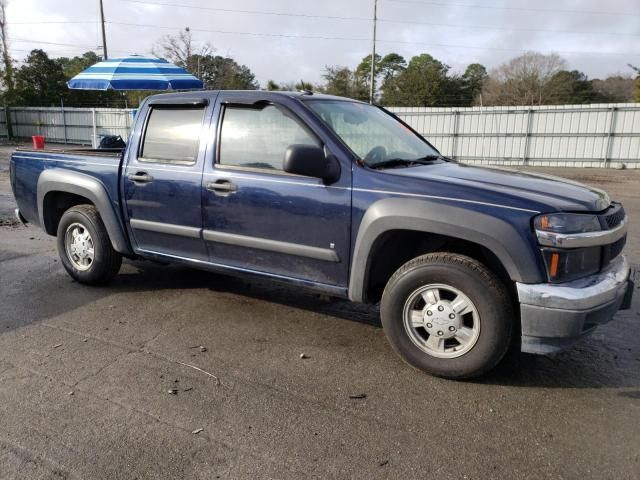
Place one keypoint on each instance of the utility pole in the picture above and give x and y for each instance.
(104, 35)
(372, 87)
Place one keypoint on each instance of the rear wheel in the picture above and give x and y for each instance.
(84, 246)
(447, 314)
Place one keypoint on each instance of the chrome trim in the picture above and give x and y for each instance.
(297, 249)
(436, 197)
(581, 240)
(582, 294)
(19, 216)
(168, 228)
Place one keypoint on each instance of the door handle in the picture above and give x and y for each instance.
(140, 177)
(222, 187)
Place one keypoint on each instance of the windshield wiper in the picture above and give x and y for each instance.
(403, 162)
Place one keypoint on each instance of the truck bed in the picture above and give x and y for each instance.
(27, 164)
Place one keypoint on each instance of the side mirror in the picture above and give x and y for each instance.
(311, 161)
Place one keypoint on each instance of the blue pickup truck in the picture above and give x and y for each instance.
(344, 198)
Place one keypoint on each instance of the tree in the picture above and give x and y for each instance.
(224, 73)
(423, 83)
(386, 67)
(75, 65)
(272, 86)
(40, 81)
(344, 82)
(637, 88)
(182, 50)
(215, 71)
(571, 87)
(524, 80)
(391, 65)
(473, 78)
(616, 88)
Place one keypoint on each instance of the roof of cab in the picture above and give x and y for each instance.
(262, 93)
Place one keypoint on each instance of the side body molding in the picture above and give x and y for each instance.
(59, 180)
(495, 234)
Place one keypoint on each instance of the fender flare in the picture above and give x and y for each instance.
(59, 180)
(501, 237)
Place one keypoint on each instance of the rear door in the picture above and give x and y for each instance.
(258, 217)
(162, 180)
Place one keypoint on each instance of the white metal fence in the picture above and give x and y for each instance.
(566, 135)
(66, 125)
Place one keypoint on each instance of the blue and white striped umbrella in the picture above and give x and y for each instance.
(134, 73)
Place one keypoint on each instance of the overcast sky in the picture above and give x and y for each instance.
(600, 42)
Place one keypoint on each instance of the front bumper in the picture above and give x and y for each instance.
(554, 316)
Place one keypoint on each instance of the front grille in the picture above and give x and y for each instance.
(616, 248)
(611, 251)
(613, 216)
(610, 219)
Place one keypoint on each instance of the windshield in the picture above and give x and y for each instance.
(373, 135)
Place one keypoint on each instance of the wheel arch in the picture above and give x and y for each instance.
(428, 226)
(58, 189)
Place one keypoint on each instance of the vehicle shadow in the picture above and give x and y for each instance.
(601, 361)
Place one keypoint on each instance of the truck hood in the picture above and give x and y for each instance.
(523, 189)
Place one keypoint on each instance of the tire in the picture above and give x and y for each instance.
(85, 223)
(471, 322)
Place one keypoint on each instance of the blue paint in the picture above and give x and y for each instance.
(283, 207)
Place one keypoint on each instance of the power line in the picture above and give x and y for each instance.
(514, 29)
(231, 32)
(363, 39)
(408, 22)
(524, 9)
(26, 40)
(254, 12)
(42, 22)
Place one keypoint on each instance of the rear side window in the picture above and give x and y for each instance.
(172, 136)
(259, 137)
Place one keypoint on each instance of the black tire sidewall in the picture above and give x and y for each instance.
(495, 321)
(99, 267)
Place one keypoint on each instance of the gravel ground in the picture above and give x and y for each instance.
(175, 373)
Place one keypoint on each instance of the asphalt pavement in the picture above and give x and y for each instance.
(176, 373)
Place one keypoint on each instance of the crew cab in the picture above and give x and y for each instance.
(344, 198)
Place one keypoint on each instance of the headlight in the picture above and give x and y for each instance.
(563, 232)
(566, 265)
(567, 223)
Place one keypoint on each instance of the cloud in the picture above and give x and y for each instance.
(452, 32)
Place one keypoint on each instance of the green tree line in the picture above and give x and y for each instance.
(421, 81)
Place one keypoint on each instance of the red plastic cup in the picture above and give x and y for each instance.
(38, 142)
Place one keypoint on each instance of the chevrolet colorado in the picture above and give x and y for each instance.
(344, 198)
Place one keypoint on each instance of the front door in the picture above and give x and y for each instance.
(258, 217)
(162, 183)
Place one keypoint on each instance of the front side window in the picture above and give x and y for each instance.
(172, 135)
(257, 137)
(373, 135)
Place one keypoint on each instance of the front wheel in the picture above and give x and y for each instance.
(448, 315)
(84, 246)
